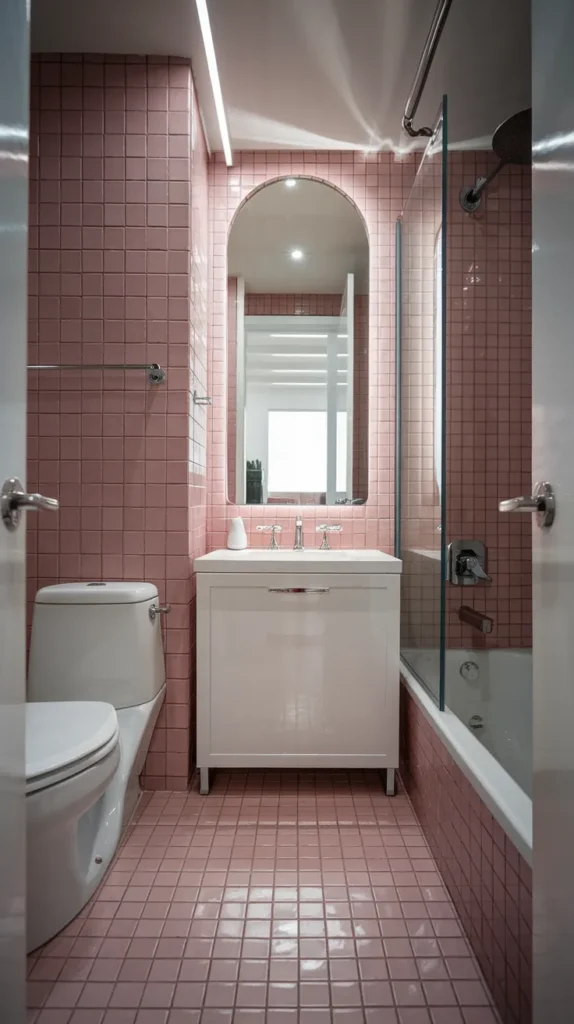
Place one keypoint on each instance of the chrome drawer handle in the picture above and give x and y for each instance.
(298, 590)
(158, 609)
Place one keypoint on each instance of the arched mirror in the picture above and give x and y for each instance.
(298, 324)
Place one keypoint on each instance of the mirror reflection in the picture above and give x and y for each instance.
(298, 273)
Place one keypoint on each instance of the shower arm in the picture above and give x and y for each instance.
(424, 66)
(482, 183)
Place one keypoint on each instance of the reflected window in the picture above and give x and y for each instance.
(297, 451)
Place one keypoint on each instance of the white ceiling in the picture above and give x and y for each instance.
(319, 74)
(311, 217)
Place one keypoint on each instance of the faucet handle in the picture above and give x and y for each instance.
(471, 564)
(326, 528)
(272, 529)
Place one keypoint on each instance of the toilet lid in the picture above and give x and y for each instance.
(60, 733)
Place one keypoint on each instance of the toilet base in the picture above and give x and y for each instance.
(71, 840)
(74, 827)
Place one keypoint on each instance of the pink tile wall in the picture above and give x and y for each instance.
(488, 880)
(489, 394)
(377, 185)
(118, 273)
(488, 401)
(281, 304)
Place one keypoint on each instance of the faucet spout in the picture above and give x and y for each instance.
(298, 543)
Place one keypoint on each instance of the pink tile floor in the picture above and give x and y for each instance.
(280, 898)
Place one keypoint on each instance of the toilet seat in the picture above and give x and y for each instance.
(64, 738)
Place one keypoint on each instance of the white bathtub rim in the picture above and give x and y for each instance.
(506, 801)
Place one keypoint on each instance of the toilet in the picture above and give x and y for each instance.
(96, 684)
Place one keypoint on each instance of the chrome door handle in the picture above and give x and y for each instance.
(298, 590)
(13, 500)
(158, 609)
(542, 502)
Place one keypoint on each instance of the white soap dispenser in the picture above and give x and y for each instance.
(237, 537)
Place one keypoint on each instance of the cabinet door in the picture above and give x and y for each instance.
(304, 677)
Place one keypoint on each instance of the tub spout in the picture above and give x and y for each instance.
(475, 619)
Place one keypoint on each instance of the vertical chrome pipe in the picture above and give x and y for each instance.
(422, 73)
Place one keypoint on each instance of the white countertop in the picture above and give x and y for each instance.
(363, 560)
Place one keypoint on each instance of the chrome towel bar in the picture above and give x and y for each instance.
(156, 375)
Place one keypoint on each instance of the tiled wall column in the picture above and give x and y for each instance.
(118, 271)
(489, 394)
(377, 185)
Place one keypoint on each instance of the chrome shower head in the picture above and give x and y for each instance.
(512, 144)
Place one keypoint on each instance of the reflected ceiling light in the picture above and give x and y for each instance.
(298, 335)
(341, 383)
(290, 182)
(298, 384)
(321, 372)
(297, 254)
(211, 59)
(342, 335)
(341, 355)
(296, 355)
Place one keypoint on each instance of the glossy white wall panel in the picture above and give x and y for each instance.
(14, 73)
(553, 594)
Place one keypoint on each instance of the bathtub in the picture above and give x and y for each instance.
(497, 695)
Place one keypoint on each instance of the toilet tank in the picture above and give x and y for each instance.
(96, 641)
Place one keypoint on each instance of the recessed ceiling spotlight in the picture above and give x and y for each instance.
(290, 182)
(296, 254)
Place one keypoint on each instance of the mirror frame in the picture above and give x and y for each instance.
(239, 328)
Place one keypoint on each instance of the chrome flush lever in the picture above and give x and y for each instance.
(14, 500)
(158, 609)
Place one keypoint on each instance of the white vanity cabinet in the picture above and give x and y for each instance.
(297, 660)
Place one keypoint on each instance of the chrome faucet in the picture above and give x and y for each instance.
(298, 545)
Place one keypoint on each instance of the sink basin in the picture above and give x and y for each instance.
(342, 560)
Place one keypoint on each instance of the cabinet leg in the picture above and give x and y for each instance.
(390, 781)
(204, 781)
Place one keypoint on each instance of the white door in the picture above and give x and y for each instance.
(553, 593)
(14, 73)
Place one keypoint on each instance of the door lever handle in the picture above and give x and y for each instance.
(14, 499)
(542, 502)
